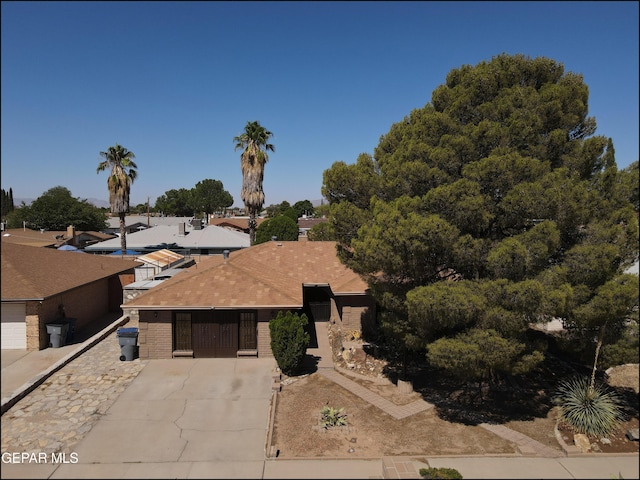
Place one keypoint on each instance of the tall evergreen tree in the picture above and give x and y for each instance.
(498, 181)
(7, 202)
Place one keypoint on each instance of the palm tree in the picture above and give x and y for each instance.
(123, 173)
(254, 142)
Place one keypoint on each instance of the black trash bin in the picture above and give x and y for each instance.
(57, 334)
(128, 340)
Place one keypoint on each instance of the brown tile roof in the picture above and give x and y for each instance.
(34, 238)
(32, 273)
(307, 223)
(48, 238)
(236, 223)
(270, 274)
(98, 235)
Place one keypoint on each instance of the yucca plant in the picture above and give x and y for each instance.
(592, 410)
(332, 417)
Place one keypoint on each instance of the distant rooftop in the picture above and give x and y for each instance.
(173, 237)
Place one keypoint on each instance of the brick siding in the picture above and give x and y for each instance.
(264, 335)
(86, 304)
(155, 336)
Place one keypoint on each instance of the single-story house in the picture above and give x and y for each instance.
(34, 238)
(183, 238)
(135, 223)
(305, 224)
(84, 238)
(53, 238)
(41, 285)
(239, 224)
(222, 308)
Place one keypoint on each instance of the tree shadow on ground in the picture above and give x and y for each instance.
(514, 398)
(309, 364)
(521, 398)
(629, 402)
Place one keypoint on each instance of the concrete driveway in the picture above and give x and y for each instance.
(189, 418)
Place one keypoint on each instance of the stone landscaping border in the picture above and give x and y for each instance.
(35, 382)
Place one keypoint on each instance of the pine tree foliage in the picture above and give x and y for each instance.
(492, 207)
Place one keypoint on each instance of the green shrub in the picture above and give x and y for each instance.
(283, 228)
(625, 350)
(594, 411)
(289, 341)
(439, 473)
(321, 232)
(332, 417)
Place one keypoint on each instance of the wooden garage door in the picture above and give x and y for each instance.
(215, 337)
(14, 327)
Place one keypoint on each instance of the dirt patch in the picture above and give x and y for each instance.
(372, 432)
(450, 428)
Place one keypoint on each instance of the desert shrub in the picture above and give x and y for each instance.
(332, 417)
(289, 341)
(592, 411)
(439, 473)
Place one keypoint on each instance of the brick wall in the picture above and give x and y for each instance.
(86, 304)
(264, 336)
(357, 313)
(36, 339)
(155, 337)
(335, 313)
(143, 331)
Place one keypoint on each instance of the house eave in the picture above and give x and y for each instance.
(200, 307)
(20, 300)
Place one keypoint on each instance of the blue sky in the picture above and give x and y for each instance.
(174, 82)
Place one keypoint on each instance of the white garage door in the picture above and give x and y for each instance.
(14, 326)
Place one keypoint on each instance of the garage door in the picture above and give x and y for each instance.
(14, 326)
(215, 338)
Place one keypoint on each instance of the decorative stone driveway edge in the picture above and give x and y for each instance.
(34, 383)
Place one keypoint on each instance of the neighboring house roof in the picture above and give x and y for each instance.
(308, 223)
(143, 220)
(96, 235)
(168, 273)
(161, 258)
(235, 223)
(37, 273)
(155, 280)
(50, 238)
(35, 238)
(270, 274)
(164, 236)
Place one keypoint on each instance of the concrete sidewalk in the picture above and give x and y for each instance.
(199, 418)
